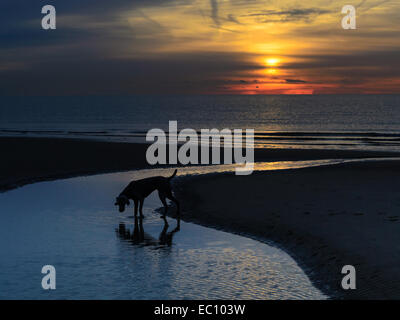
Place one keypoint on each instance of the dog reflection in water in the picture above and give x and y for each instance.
(139, 237)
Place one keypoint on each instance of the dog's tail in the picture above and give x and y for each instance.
(173, 175)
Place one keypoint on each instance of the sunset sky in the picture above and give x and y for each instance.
(199, 47)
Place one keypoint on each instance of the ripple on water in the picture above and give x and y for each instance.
(98, 255)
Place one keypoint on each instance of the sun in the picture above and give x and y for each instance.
(272, 62)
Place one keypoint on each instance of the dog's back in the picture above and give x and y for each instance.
(148, 185)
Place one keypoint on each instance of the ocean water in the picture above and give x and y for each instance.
(99, 253)
(364, 122)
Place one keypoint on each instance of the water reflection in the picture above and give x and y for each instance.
(96, 257)
(165, 237)
(141, 238)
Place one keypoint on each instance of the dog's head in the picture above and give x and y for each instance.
(121, 201)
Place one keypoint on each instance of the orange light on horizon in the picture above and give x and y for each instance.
(272, 62)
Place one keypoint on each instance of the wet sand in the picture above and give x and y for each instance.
(325, 217)
(26, 160)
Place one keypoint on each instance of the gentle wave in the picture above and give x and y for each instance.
(262, 139)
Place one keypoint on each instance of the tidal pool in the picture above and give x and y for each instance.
(100, 253)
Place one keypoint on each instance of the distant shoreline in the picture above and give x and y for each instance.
(27, 160)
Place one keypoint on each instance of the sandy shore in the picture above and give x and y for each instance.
(27, 160)
(325, 217)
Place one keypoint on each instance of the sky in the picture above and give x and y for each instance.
(199, 47)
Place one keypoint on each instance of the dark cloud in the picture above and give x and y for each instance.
(217, 19)
(20, 20)
(290, 15)
(354, 72)
(371, 6)
(232, 18)
(382, 62)
(170, 73)
(214, 12)
(295, 81)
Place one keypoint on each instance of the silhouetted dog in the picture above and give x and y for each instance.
(140, 189)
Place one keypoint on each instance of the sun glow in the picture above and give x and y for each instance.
(286, 50)
(272, 62)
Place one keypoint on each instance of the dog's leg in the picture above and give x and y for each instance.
(136, 207)
(173, 199)
(164, 202)
(141, 229)
(136, 231)
(162, 238)
(141, 207)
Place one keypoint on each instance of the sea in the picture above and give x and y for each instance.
(357, 122)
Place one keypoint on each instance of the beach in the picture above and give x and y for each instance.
(324, 217)
(29, 159)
